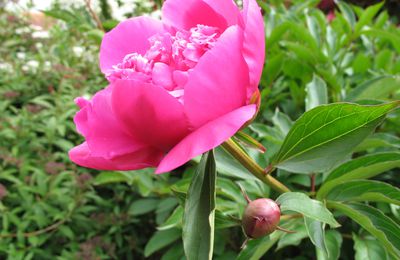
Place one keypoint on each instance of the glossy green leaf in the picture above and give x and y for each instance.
(333, 240)
(313, 209)
(161, 239)
(317, 93)
(361, 168)
(383, 228)
(316, 232)
(365, 190)
(377, 88)
(326, 134)
(199, 214)
(369, 249)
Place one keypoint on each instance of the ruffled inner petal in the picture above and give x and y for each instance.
(130, 36)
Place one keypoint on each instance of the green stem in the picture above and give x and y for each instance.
(253, 167)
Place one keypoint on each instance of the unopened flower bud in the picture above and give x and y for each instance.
(260, 218)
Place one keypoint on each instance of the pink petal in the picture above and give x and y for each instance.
(150, 113)
(129, 36)
(98, 124)
(219, 82)
(143, 158)
(206, 138)
(254, 41)
(185, 14)
(227, 8)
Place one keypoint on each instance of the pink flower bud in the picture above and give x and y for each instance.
(260, 218)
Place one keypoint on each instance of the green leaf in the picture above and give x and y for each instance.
(366, 17)
(368, 249)
(378, 88)
(96, 35)
(393, 38)
(174, 253)
(314, 28)
(334, 242)
(112, 177)
(198, 221)
(383, 228)
(295, 238)
(325, 135)
(379, 140)
(316, 232)
(256, 248)
(225, 221)
(314, 209)
(317, 93)
(228, 166)
(174, 220)
(302, 52)
(365, 190)
(143, 206)
(282, 121)
(272, 68)
(361, 168)
(348, 13)
(161, 239)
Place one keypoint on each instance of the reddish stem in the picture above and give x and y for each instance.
(312, 179)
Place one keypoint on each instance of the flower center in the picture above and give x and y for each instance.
(169, 59)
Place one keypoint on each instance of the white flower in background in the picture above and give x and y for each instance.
(119, 11)
(41, 35)
(21, 55)
(35, 27)
(78, 50)
(7, 67)
(31, 65)
(156, 14)
(34, 64)
(47, 65)
(87, 96)
(39, 45)
(145, 4)
(22, 30)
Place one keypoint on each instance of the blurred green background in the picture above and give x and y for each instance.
(53, 209)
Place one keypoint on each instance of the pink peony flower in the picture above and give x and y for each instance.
(177, 87)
